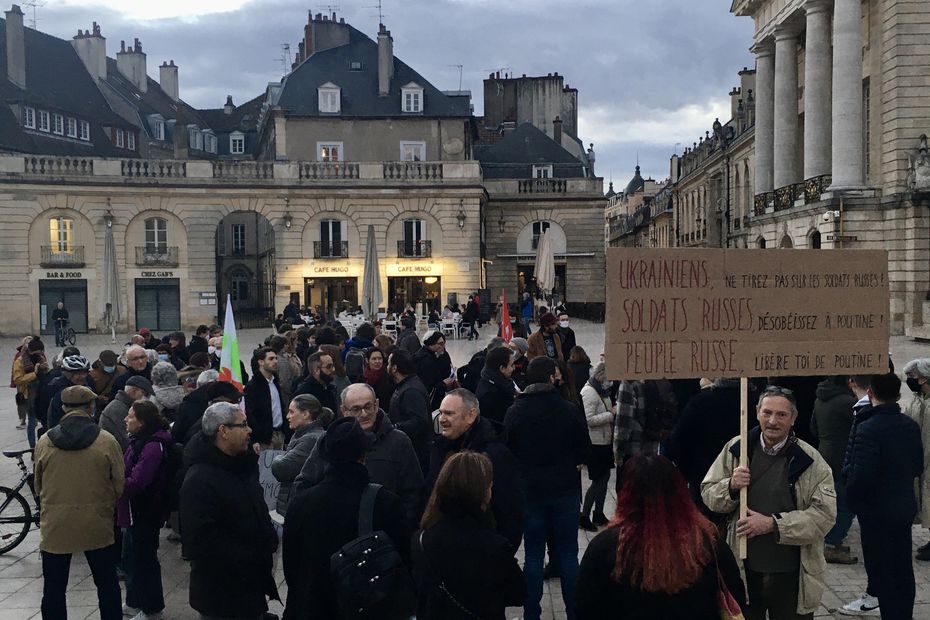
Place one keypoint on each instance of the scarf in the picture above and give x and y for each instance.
(373, 377)
(598, 388)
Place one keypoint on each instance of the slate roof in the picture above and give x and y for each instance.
(153, 101)
(359, 95)
(513, 156)
(244, 118)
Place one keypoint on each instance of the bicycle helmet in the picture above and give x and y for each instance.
(75, 363)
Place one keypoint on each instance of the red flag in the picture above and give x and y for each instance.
(506, 327)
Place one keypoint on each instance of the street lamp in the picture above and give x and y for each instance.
(461, 216)
(288, 220)
(108, 216)
(502, 223)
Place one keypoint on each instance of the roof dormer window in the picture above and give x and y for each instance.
(411, 97)
(158, 126)
(355, 66)
(329, 98)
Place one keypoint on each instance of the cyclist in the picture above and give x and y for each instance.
(60, 320)
(75, 370)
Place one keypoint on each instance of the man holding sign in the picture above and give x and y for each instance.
(792, 505)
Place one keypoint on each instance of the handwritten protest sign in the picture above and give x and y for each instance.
(270, 486)
(683, 313)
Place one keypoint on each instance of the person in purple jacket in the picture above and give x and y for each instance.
(140, 510)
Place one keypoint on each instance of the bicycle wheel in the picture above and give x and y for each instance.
(15, 519)
(70, 337)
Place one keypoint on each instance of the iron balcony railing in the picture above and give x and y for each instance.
(62, 256)
(157, 255)
(411, 248)
(330, 249)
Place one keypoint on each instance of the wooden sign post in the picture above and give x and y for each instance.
(721, 313)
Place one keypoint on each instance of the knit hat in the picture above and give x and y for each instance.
(76, 397)
(138, 381)
(145, 331)
(521, 344)
(108, 358)
(547, 319)
(345, 441)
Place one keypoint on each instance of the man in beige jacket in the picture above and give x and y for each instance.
(792, 505)
(79, 475)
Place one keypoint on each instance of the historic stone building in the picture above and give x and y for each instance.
(840, 106)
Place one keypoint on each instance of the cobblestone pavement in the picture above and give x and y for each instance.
(21, 572)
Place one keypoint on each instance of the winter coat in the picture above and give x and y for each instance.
(146, 478)
(190, 412)
(706, 424)
(470, 374)
(519, 371)
(433, 370)
(226, 531)
(475, 565)
(408, 340)
(120, 382)
(285, 467)
(258, 408)
(113, 418)
(25, 382)
(919, 411)
(55, 411)
(356, 343)
(567, 335)
(600, 597)
(495, 395)
(384, 388)
(538, 346)
(630, 422)
(325, 393)
(197, 344)
(581, 372)
(506, 495)
(391, 462)
(599, 414)
(409, 412)
(526, 308)
(549, 437)
(78, 476)
(289, 368)
(831, 422)
(811, 483)
(318, 523)
(885, 455)
(103, 382)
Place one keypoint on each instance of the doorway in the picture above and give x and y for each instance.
(73, 293)
(526, 282)
(414, 290)
(332, 295)
(158, 304)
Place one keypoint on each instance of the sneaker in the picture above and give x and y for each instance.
(600, 519)
(865, 605)
(838, 555)
(131, 612)
(585, 524)
(20, 426)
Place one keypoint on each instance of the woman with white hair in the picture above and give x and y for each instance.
(917, 376)
(168, 394)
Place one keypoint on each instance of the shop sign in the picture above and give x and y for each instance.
(64, 275)
(415, 269)
(157, 274)
(336, 270)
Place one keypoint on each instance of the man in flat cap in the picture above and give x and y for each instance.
(79, 476)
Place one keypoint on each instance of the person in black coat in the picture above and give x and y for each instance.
(265, 410)
(321, 371)
(624, 572)
(464, 427)
(883, 458)
(707, 423)
(496, 391)
(137, 363)
(225, 527)
(461, 565)
(408, 407)
(471, 316)
(434, 367)
(198, 342)
(322, 519)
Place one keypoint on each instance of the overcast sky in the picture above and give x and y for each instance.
(650, 74)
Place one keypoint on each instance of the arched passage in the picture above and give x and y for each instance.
(786, 243)
(245, 267)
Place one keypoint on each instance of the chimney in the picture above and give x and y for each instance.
(15, 47)
(557, 130)
(673, 169)
(385, 61)
(747, 78)
(91, 48)
(168, 79)
(131, 63)
(736, 96)
(229, 108)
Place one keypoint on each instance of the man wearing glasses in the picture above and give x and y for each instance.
(792, 505)
(227, 533)
(391, 460)
(137, 362)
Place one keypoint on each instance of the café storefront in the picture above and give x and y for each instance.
(332, 286)
(157, 299)
(414, 283)
(69, 286)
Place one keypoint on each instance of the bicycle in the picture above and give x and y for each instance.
(16, 516)
(68, 335)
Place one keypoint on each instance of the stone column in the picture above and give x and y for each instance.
(786, 169)
(817, 87)
(848, 159)
(765, 116)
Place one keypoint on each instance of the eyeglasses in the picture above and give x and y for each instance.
(367, 408)
(236, 425)
(135, 358)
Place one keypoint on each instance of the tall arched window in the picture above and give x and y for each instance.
(156, 236)
(760, 242)
(61, 235)
(814, 240)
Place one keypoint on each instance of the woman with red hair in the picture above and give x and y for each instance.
(659, 557)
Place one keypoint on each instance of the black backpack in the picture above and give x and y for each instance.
(369, 576)
(355, 365)
(661, 409)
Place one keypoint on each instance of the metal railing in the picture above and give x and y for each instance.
(407, 248)
(330, 249)
(57, 256)
(161, 256)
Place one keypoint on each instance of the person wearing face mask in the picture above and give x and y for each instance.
(566, 333)
(917, 374)
(434, 367)
(103, 373)
(599, 413)
(319, 382)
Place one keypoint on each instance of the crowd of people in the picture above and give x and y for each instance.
(407, 486)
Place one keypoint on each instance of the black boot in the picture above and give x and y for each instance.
(585, 524)
(600, 519)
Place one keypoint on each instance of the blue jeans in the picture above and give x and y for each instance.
(55, 570)
(844, 517)
(560, 517)
(526, 325)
